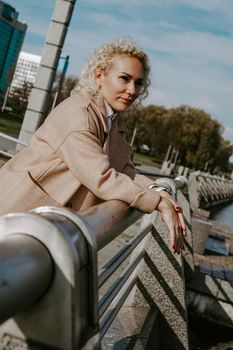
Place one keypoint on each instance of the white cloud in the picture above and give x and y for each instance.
(38, 27)
(105, 19)
(194, 45)
(191, 65)
(34, 49)
(122, 3)
(228, 133)
(187, 67)
(194, 84)
(224, 6)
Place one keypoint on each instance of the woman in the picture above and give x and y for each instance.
(79, 156)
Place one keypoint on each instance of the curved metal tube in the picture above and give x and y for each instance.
(109, 219)
(26, 271)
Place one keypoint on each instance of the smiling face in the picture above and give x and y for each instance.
(121, 84)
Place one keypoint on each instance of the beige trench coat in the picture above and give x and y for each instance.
(74, 161)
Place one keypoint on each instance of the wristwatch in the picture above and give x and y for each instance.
(164, 187)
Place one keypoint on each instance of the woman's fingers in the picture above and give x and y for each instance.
(175, 223)
(177, 236)
(182, 223)
(178, 243)
(179, 211)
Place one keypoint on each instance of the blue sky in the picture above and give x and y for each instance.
(190, 44)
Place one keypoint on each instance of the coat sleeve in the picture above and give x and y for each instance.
(84, 156)
(137, 178)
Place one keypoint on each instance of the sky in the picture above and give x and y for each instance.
(189, 42)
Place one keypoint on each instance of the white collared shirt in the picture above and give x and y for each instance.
(110, 114)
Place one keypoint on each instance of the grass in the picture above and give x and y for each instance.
(146, 159)
(10, 124)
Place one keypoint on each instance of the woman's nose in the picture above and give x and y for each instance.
(132, 89)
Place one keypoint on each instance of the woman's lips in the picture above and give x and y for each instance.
(126, 100)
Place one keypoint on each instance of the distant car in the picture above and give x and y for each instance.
(8, 109)
(145, 149)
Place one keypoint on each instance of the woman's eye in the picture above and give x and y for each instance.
(125, 78)
(139, 82)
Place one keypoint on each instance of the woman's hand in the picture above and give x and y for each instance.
(172, 215)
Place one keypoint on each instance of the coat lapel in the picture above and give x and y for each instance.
(116, 146)
(98, 109)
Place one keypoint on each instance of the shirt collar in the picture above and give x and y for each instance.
(109, 111)
(110, 114)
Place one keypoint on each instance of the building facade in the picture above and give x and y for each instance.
(12, 33)
(26, 70)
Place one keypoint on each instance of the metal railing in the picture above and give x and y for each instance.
(120, 289)
(5, 151)
(208, 190)
(26, 257)
(57, 251)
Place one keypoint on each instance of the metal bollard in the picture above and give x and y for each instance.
(66, 316)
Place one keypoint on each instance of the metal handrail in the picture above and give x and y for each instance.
(6, 154)
(119, 301)
(109, 219)
(120, 257)
(104, 222)
(97, 226)
(154, 174)
(27, 257)
(118, 284)
(13, 139)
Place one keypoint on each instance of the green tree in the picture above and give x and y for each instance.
(222, 155)
(18, 98)
(67, 84)
(192, 131)
(149, 123)
(60, 91)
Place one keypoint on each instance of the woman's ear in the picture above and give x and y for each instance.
(98, 77)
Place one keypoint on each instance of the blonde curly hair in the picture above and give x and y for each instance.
(103, 59)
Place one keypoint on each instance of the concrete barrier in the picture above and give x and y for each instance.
(69, 316)
(207, 190)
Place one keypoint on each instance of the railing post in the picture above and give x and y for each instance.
(65, 318)
(194, 191)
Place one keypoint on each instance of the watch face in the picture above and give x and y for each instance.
(162, 187)
(159, 189)
(153, 186)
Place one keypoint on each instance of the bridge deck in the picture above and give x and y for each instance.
(216, 266)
